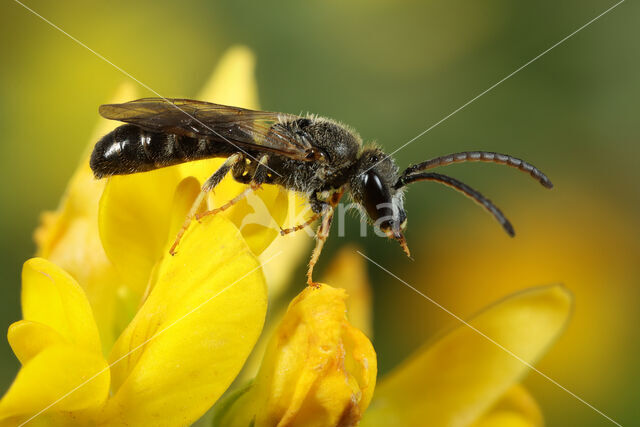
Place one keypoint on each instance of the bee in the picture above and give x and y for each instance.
(313, 156)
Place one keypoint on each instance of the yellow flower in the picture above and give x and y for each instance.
(148, 196)
(69, 237)
(461, 379)
(566, 240)
(200, 311)
(185, 345)
(109, 234)
(464, 378)
(318, 370)
(348, 271)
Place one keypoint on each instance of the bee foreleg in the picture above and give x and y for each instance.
(321, 237)
(305, 224)
(318, 207)
(208, 185)
(323, 233)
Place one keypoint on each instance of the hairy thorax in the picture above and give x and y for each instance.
(338, 145)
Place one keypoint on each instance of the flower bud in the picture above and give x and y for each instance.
(318, 369)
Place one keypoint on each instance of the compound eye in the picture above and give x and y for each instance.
(377, 200)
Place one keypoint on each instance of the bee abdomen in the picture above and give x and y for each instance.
(130, 149)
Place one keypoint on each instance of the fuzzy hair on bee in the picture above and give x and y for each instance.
(317, 157)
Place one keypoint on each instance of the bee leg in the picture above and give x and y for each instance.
(322, 234)
(208, 185)
(317, 207)
(258, 178)
(321, 237)
(226, 206)
(305, 224)
(261, 173)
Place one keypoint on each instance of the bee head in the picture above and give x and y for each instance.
(373, 188)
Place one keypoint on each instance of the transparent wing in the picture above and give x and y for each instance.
(238, 126)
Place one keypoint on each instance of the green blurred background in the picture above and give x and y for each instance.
(391, 70)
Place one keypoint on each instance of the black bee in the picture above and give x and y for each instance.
(317, 157)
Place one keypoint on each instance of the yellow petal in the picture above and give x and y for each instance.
(135, 209)
(505, 419)
(318, 369)
(349, 272)
(191, 336)
(27, 339)
(134, 220)
(69, 236)
(252, 365)
(80, 201)
(261, 214)
(183, 199)
(233, 81)
(52, 297)
(459, 377)
(515, 408)
(292, 248)
(53, 373)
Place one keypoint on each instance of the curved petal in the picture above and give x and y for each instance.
(135, 209)
(55, 236)
(459, 377)
(69, 236)
(233, 82)
(260, 215)
(185, 194)
(27, 339)
(318, 370)
(349, 272)
(134, 222)
(292, 249)
(191, 336)
(66, 377)
(515, 408)
(52, 297)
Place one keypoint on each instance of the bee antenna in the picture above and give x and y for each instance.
(464, 189)
(482, 156)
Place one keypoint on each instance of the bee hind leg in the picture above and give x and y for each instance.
(226, 206)
(258, 177)
(208, 186)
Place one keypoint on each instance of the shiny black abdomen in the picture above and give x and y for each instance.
(130, 149)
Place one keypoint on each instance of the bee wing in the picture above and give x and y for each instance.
(238, 126)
